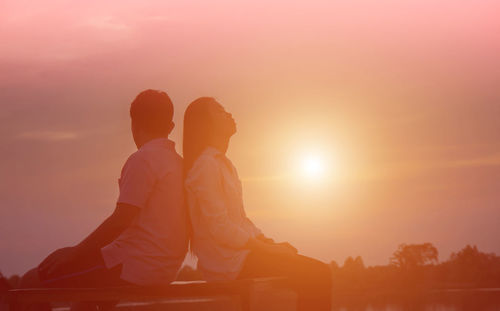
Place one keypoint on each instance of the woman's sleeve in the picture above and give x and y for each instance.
(205, 183)
(256, 231)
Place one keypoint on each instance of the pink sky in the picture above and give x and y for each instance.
(403, 96)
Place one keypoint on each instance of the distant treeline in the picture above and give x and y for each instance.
(412, 266)
(416, 266)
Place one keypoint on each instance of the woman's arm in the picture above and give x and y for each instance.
(204, 182)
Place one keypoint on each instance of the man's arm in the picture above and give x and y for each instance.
(108, 231)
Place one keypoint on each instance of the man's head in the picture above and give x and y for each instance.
(151, 113)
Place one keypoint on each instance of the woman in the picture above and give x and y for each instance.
(228, 245)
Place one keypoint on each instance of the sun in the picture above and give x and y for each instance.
(315, 166)
(312, 166)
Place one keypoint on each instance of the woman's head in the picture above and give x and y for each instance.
(206, 123)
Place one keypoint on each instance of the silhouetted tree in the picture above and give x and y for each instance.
(355, 264)
(469, 265)
(358, 261)
(348, 262)
(414, 255)
(334, 265)
(14, 281)
(4, 287)
(4, 284)
(470, 255)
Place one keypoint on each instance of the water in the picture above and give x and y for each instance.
(443, 300)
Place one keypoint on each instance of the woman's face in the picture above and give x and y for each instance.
(222, 121)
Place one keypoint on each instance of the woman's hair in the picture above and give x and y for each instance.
(197, 130)
(196, 137)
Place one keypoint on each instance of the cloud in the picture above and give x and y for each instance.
(491, 160)
(159, 18)
(49, 136)
(410, 169)
(107, 22)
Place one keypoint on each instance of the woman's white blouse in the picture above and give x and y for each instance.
(220, 225)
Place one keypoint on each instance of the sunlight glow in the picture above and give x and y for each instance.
(313, 167)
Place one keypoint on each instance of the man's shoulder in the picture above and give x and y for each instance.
(154, 151)
(136, 158)
(158, 158)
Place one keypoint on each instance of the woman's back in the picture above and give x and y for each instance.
(220, 226)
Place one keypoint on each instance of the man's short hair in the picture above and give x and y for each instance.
(152, 111)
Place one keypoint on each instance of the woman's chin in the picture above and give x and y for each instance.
(233, 129)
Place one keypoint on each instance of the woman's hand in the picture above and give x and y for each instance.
(289, 246)
(281, 248)
(57, 260)
(265, 239)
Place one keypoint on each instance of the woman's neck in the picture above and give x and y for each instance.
(220, 145)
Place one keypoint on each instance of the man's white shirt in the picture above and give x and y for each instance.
(153, 248)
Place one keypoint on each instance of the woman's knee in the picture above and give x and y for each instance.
(324, 275)
(318, 272)
(312, 269)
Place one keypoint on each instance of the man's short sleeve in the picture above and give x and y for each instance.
(136, 182)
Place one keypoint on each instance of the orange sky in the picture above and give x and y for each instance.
(402, 99)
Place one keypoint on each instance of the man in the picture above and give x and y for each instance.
(145, 240)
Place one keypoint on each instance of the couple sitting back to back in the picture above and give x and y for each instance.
(146, 238)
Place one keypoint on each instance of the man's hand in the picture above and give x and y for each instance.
(57, 260)
(108, 231)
